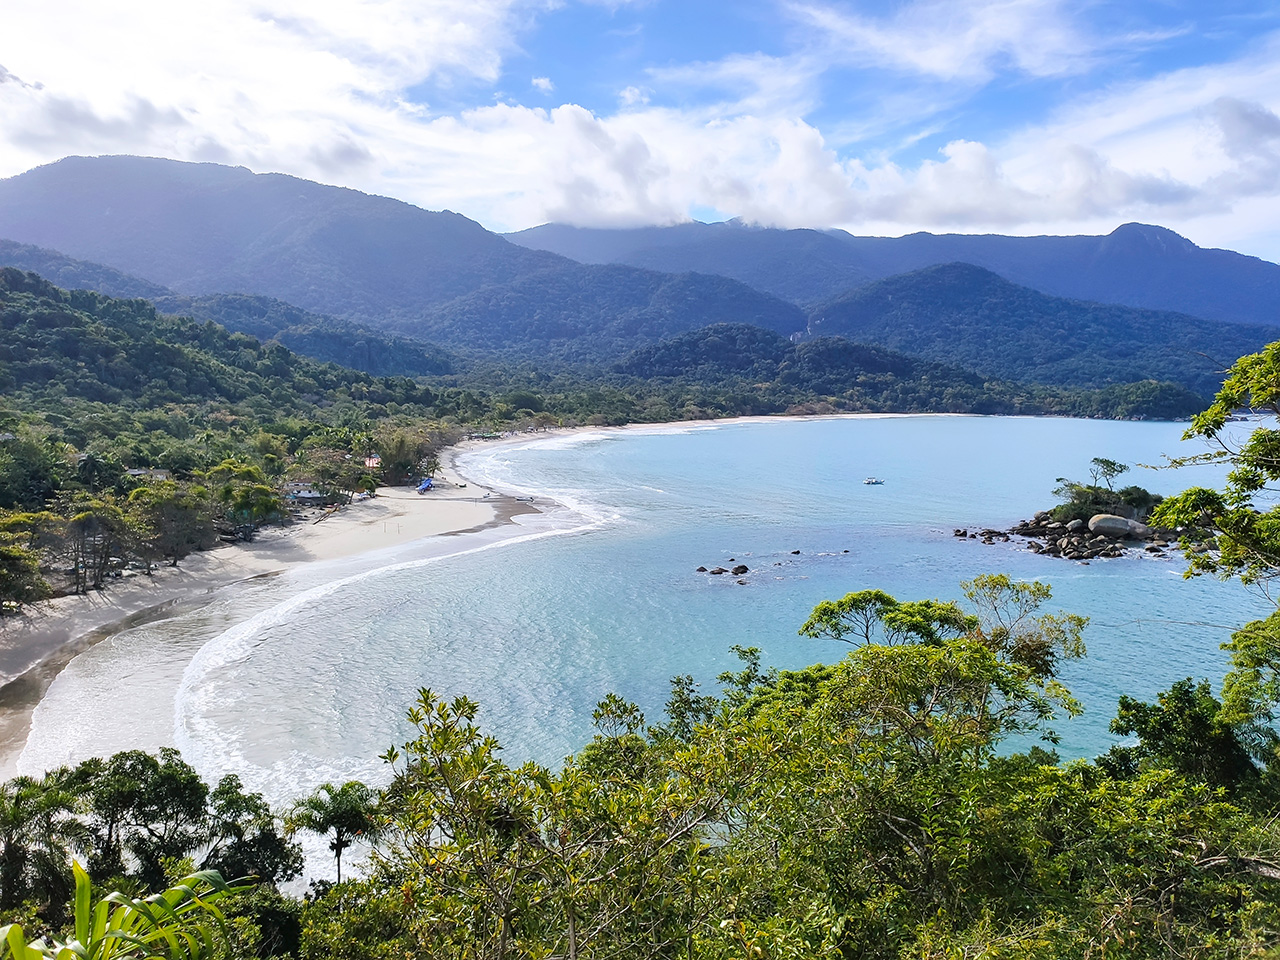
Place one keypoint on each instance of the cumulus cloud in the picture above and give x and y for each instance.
(335, 91)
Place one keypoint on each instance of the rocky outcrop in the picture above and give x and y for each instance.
(1104, 536)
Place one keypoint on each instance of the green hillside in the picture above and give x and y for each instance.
(72, 274)
(745, 361)
(962, 314)
(595, 313)
(321, 338)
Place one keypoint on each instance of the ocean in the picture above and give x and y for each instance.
(293, 680)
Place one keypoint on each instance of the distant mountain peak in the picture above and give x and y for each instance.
(1149, 234)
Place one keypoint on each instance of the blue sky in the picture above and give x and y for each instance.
(1010, 116)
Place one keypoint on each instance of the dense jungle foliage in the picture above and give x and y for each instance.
(962, 314)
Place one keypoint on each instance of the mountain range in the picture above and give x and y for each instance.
(1136, 265)
(388, 288)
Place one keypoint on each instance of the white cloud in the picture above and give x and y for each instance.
(322, 90)
(967, 41)
(630, 96)
(268, 83)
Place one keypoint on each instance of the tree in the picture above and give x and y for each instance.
(143, 811)
(1187, 730)
(1100, 468)
(170, 519)
(349, 812)
(1243, 538)
(38, 829)
(244, 837)
(181, 923)
(246, 497)
(1006, 620)
(20, 580)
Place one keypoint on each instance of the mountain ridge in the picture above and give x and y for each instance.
(1137, 265)
(968, 315)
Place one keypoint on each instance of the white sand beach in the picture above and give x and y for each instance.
(35, 646)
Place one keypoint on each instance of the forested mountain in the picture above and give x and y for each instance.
(72, 274)
(758, 363)
(67, 346)
(1136, 265)
(962, 314)
(201, 228)
(596, 313)
(321, 338)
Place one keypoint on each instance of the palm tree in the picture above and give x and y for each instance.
(38, 827)
(348, 812)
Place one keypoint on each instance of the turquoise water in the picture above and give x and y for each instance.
(600, 594)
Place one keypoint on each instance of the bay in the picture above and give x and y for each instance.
(599, 593)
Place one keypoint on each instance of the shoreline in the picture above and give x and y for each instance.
(36, 646)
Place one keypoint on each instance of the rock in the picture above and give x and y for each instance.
(733, 559)
(960, 533)
(1152, 548)
(1109, 525)
(1075, 526)
(844, 551)
(717, 571)
(795, 552)
(739, 570)
(1139, 531)
(1055, 525)
(742, 582)
(702, 570)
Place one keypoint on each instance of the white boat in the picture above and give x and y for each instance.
(873, 480)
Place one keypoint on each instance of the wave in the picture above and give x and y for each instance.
(214, 750)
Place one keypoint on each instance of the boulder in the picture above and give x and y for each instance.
(717, 571)
(739, 570)
(702, 570)
(1075, 526)
(1139, 531)
(1109, 525)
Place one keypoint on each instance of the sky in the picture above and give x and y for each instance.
(881, 118)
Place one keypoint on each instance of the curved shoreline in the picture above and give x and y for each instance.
(37, 647)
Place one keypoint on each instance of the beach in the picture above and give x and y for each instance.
(37, 645)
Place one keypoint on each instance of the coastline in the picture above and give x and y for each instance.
(37, 645)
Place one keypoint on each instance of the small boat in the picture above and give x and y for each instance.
(873, 480)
